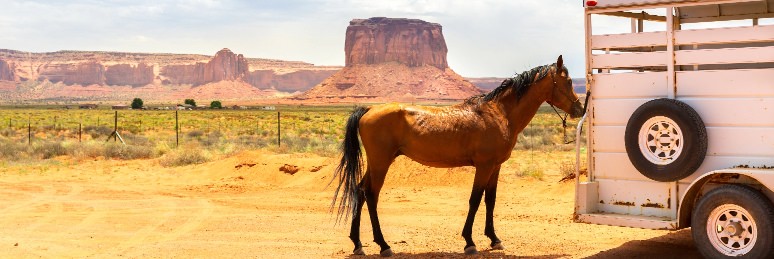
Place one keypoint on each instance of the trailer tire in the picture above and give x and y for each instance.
(656, 144)
(734, 220)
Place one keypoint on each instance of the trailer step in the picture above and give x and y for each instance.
(628, 221)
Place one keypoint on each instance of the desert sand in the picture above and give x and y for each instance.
(139, 209)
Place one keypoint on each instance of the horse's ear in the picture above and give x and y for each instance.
(559, 62)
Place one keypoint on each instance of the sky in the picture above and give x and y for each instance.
(485, 38)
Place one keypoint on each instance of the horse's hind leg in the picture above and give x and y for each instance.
(490, 194)
(354, 233)
(377, 172)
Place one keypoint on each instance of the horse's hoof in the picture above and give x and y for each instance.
(358, 251)
(386, 253)
(471, 250)
(498, 246)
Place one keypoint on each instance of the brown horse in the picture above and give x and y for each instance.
(479, 132)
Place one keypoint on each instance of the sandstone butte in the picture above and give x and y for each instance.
(393, 59)
(111, 76)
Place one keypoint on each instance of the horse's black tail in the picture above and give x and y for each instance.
(350, 168)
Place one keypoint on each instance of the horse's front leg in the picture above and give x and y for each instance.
(489, 199)
(483, 173)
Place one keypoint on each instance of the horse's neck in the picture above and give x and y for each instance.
(520, 112)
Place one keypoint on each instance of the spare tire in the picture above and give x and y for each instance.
(665, 140)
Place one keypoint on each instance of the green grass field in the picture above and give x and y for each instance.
(32, 135)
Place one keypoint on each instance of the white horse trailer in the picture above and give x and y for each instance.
(681, 121)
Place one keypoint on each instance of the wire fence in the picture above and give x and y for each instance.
(298, 129)
(255, 128)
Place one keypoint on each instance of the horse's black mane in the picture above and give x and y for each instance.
(520, 82)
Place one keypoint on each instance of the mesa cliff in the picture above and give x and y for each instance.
(225, 65)
(69, 75)
(393, 59)
(408, 41)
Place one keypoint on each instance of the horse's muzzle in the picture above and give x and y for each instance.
(576, 110)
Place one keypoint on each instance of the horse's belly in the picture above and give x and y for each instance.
(438, 156)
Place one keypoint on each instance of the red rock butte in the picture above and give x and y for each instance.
(393, 59)
(409, 41)
(99, 75)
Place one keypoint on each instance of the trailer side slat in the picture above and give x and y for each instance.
(714, 83)
(636, 59)
(630, 85)
(725, 56)
(725, 35)
(628, 40)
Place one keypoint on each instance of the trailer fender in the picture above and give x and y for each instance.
(764, 177)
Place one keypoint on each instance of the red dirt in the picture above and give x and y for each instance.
(108, 208)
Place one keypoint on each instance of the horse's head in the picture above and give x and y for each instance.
(562, 94)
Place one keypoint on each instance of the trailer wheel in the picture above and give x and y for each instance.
(665, 140)
(734, 220)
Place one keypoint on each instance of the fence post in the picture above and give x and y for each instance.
(177, 132)
(29, 132)
(55, 122)
(279, 134)
(115, 127)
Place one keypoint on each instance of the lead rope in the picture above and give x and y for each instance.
(564, 124)
(564, 119)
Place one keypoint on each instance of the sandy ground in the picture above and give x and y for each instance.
(138, 209)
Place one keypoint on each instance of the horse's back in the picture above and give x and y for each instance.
(384, 119)
(434, 136)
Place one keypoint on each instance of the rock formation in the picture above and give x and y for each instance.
(297, 81)
(6, 72)
(71, 75)
(393, 59)
(126, 74)
(409, 41)
(86, 73)
(225, 65)
(486, 83)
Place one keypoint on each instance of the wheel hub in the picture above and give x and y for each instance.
(731, 230)
(734, 229)
(660, 140)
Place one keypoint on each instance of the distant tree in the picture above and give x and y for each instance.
(191, 102)
(137, 103)
(216, 105)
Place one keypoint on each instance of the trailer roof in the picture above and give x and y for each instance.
(648, 3)
(690, 10)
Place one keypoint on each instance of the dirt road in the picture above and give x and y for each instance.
(138, 209)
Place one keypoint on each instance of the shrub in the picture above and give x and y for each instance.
(531, 171)
(13, 150)
(48, 150)
(7, 132)
(211, 139)
(195, 133)
(97, 131)
(183, 157)
(127, 152)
